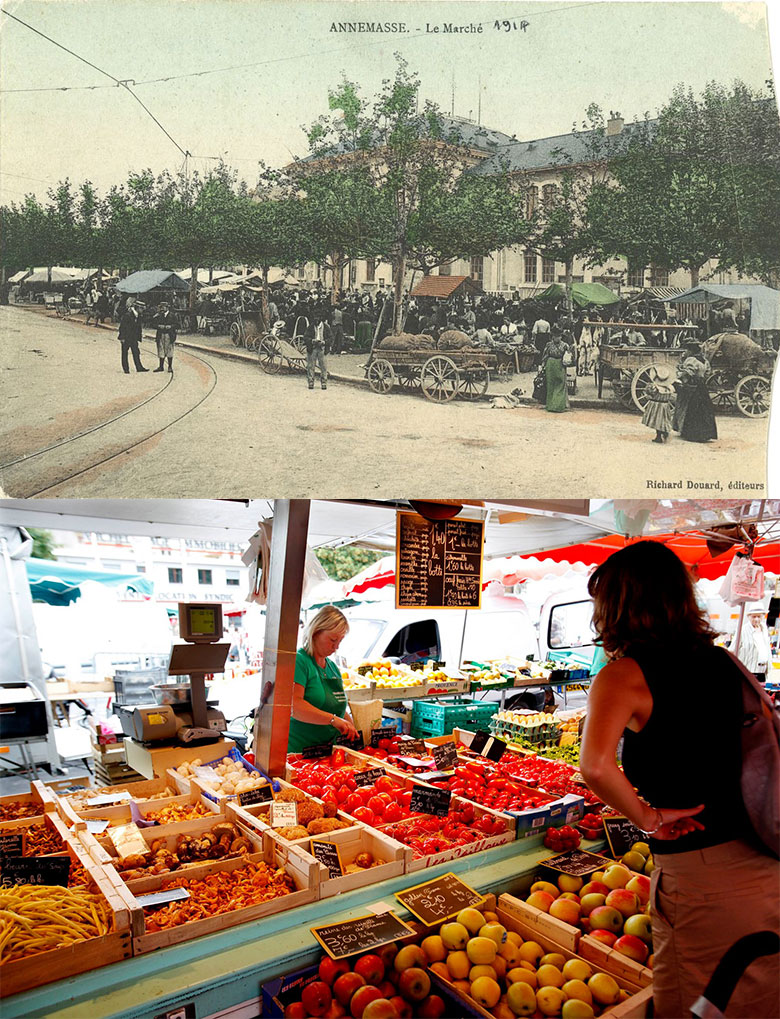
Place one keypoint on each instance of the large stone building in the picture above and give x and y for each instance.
(516, 271)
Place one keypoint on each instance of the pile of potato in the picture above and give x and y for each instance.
(228, 778)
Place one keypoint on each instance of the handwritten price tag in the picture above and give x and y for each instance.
(340, 940)
(437, 900)
(283, 815)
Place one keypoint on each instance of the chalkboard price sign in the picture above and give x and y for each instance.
(384, 732)
(262, 794)
(369, 776)
(439, 563)
(487, 746)
(345, 741)
(12, 844)
(318, 750)
(621, 835)
(328, 854)
(576, 862)
(34, 870)
(430, 800)
(445, 756)
(351, 937)
(414, 747)
(437, 900)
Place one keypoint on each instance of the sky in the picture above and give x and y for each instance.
(534, 82)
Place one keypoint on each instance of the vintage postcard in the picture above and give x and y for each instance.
(363, 247)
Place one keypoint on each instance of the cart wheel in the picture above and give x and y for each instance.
(253, 341)
(621, 387)
(408, 376)
(474, 383)
(299, 342)
(644, 377)
(269, 356)
(752, 396)
(439, 379)
(721, 389)
(381, 376)
(235, 334)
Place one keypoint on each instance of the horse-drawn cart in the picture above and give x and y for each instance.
(441, 375)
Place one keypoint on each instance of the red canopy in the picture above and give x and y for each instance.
(690, 547)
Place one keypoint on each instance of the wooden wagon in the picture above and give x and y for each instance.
(276, 352)
(441, 375)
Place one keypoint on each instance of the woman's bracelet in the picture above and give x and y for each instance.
(659, 818)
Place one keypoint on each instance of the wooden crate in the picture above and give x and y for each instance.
(575, 940)
(302, 872)
(255, 816)
(60, 963)
(636, 1006)
(39, 796)
(50, 820)
(139, 791)
(350, 842)
(120, 813)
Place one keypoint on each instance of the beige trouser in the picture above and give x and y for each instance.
(701, 903)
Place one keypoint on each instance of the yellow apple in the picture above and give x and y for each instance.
(569, 883)
(549, 1000)
(549, 976)
(455, 936)
(485, 992)
(471, 919)
(481, 951)
(577, 989)
(459, 964)
(531, 951)
(604, 989)
(481, 971)
(553, 959)
(521, 998)
(576, 969)
(523, 976)
(495, 931)
(576, 1009)
(434, 949)
(545, 886)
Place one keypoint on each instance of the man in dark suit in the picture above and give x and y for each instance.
(130, 336)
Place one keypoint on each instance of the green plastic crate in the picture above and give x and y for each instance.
(436, 718)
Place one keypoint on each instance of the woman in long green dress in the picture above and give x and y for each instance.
(555, 375)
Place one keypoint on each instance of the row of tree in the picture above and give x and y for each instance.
(387, 180)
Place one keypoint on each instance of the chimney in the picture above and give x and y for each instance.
(614, 124)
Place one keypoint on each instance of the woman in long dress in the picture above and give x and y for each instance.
(694, 417)
(555, 375)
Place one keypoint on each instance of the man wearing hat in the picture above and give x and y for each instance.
(755, 649)
(660, 401)
(130, 335)
(165, 324)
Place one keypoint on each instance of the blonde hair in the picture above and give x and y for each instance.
(329, 618)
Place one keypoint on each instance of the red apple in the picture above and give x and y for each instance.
(295, 1010)
(361, 998)
(345, 986)
(316, 997)
(330, 969)
(335, 1011)
(402, 1007)
(640, 886)
(431, 1007)
(380, 1008)
(623, 901)
(414, 984)
(606, 918)
(594, 886)
(605, 937)
(565, 910)
(371, 968)
(387, 954)
(542, 900)
(633, 947)
(387, 987)
(569, 895)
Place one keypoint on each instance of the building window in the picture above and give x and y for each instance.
(548, 270)
(353, 272)
(140, 568)
(232, 578)
(636, 276)
(204, 576)
(370, 269)
(532, 201)
(301, 271)
(659, 277)
(477, 268)
(445, 270)
(175, 575)
(548, 194)
(114, 566)
(317, 270)
(530, 267)
(574, 279)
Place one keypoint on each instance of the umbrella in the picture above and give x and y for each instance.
(60, 583)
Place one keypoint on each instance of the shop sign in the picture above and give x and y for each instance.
(430, 800)
(328, 854)
(362, 934)
(576, 862)
(34, 870)
(437, 900)
(439, 563)
(621, 835)
(369, 776)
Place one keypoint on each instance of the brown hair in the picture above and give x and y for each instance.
(644, 594)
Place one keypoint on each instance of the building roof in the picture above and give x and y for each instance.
(441, 286)
(539, 153)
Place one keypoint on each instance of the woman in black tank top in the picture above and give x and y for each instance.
(677, 702)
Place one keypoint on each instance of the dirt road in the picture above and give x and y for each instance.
(72, 424)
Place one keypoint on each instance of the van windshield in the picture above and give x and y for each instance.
(498, 635)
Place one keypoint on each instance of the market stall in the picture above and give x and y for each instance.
(225, 882)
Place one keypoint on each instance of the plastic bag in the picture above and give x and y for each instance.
(743, 582)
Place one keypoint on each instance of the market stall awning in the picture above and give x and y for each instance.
(150, 279)
(444, 286)
(60, 583)
(764, 301)
(19, 276)
(58, 275)
(582, 294)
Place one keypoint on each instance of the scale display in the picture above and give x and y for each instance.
(200, 621)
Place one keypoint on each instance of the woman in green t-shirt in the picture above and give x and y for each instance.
(319, 705)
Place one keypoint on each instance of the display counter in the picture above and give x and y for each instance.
(221, 972)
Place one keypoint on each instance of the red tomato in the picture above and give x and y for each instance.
(329, 793)
(314, 789)
(384, 797)
(384, 744)
(365, 792)
(364, 814)
(342, 794)
(394, 812)
(384, 784)
(352, 803)
(377, 805)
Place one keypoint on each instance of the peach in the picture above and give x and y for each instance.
(565, 910)
(640, 886)
(633, 947)
(541, 900)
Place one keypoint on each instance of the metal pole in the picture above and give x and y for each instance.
(283, 608)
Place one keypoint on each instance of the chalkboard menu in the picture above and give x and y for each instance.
(262, 794)
(437, 900)
(12, 844)
(439, 563)
(34, 870)
(369, 776)
(445, 756)
(576, 862)
(621, 835)
(430, 800)
(340, 940)
(328, 854)
(382, 732)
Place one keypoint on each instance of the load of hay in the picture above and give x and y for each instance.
(736, 350)
(407, 341)
(454, 339)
